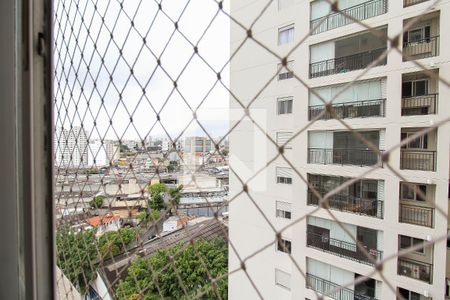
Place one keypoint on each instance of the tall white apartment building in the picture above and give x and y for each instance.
(71, 148)
(103, 153)
(386, 103)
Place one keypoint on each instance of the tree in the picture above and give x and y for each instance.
(156, 201)
(97, 202)
(76, 254)
(175, 195)
(114, 242)
(157, 272)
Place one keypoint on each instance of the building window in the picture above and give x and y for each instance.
(284, 105)
(283, 210)
(284, 175)
(417, 35)
(284, 246)
(283, 279)
(415, 88)
(406, 242)
(420, 142)
(413, 192)
(409, 295)
(284, 139)
(284, 73)
(286, 35)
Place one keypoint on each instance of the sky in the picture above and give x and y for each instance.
(100, 80)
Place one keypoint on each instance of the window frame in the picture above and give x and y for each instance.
(281, 213)
(285, 101)
(277, 281)
(413, 91)
(413, 187)
(284, 244)
(412, 242)
(286, 29)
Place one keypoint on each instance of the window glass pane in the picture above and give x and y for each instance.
(407, 191)
(285, 35)
(405, 242)
(415, 35)
(422, 188)
(406, 89)
(418, 242)
(289, 107)
(421, 88)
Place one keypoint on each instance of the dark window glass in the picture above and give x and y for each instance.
(406, 89)
(405, 242)
(421, 88)
(423, 189)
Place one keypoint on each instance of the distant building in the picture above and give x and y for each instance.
(174, 223)
(71, 147)
(105, 223)
(101, 154)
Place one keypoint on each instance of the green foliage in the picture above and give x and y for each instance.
(187, 265)
(175, 194)
(97, 202)
(114, 242)
(152, 216)
(75, 255)
(124, 148)
(156, 201)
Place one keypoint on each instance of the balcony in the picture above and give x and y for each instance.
(355, 109)
(416, 215)
(345, 64)
(423, 48)
(359, 12)
(407, 3)
(342, 248)
(326, 287)
(415, 269)
(348, 203)
(423, 160)
(419, 105)
(336, 156)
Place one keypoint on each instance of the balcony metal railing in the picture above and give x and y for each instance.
(342, 249)
(357, 157)
(355, 109)
(346, 63)
(423, 160)
(326, 287)
(349, 203)
(359, 12)
(415, 269)
(419, 105)
(424, 48)
(412, 2)
(417, 215)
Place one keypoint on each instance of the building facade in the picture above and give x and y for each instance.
(71, 147)
(390, 99)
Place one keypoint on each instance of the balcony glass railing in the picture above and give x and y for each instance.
(423, 160)
(412, 2)
(415, 269)
(424, 48)
(357, 157)
(355, 109)
(342, 248)
(416, 215)
(328, 288)
(359, 12)
(349, 203)
(345, 64)
(419, 105)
